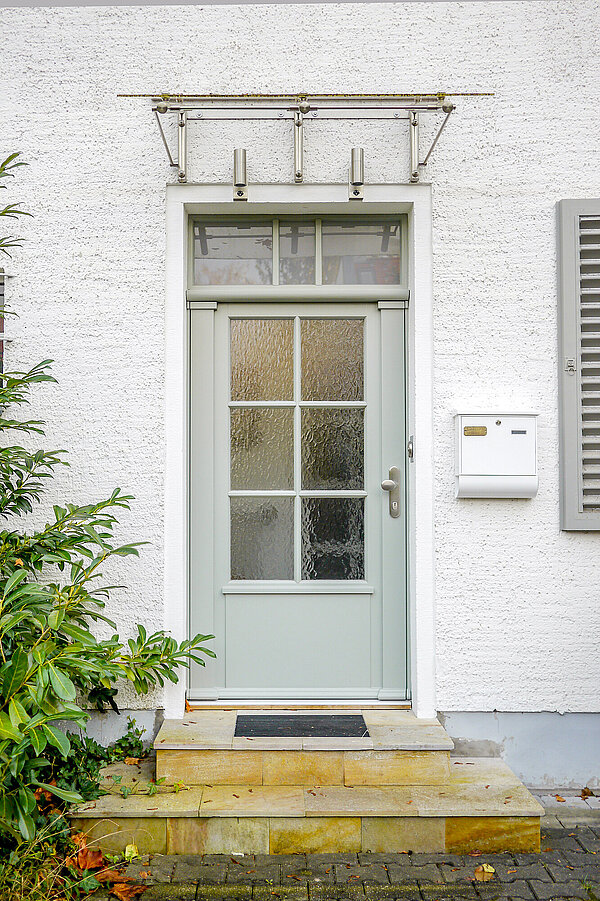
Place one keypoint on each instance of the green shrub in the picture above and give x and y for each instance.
(52, 666)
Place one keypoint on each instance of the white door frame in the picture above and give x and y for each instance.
(183, 200)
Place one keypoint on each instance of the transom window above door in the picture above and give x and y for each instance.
(369, 250)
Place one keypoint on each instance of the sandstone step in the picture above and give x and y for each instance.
(399, 750)
(481, 806)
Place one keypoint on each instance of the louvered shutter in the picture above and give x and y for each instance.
(579, 348)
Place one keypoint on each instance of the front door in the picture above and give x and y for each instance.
(297, 552)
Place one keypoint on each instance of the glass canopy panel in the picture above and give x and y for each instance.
(262, 359)
(233, 254)
(262, 536)
(333, 538)
(262, 448)
(361, 254)
(332, 449)
(296, 253)
(332, 359)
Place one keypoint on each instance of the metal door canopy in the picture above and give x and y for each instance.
(300, 110)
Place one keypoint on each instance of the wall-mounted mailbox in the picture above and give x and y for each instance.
(496, 455)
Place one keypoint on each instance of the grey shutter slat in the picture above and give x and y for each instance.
(579, 363)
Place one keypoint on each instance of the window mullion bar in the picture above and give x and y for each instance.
(297, 455)
(318, 252)
(275, 251)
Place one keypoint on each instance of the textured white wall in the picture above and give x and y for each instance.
(517, 600)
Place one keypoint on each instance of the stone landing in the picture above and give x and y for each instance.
(396, 790)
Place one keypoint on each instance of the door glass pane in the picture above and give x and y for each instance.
(233, 254)
(332, 448)
(262, 359)
(296, 253)
(332, 359)
(262, 534)
(262, 448)
(361, 254)
(333, 538)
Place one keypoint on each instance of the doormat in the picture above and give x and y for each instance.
(301, 726)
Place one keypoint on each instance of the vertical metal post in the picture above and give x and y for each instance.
(182, 146)
(414, 146)
(356, 176)
(298, 147)
(240, 177)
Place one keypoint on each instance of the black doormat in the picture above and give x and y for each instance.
(301, 725)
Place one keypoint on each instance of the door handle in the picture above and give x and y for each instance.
(392, 486)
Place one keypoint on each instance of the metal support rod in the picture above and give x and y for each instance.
(436, 139)
(414, 146)
(240, 177)
(182, 146)
(164, 140)
(356, 175)
(298, 147)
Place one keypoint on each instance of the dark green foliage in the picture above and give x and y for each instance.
(52, 666)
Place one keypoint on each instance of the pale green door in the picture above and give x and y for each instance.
(297, 554)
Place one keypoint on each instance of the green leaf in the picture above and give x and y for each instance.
(7, 730)
(71, 797)
(38, 740)
(17, 576)
(16, 673)
(62, 685)
(26, 825)
(57, 738)
(17, 713)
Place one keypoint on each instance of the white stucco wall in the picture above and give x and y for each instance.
(517, 608)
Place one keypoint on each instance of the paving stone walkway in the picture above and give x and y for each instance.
(567, 868)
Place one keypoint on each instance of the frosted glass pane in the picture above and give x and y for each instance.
(332, 448)
(333, 538)
(296, 253)
(332, 359)
(262, 448)
(262, 359)
(361, 254)
(233, 254)
(262, 535)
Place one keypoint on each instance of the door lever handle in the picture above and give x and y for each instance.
(392, 486)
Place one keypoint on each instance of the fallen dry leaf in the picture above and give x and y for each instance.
(511, 871)
(558, 798)
(111, 876)
(132, 761)
(125, 892)
(235, 796)
(586, 793)
(145, 874)
(484, 873)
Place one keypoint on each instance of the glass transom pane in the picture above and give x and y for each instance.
(296, 253)
(233, 254)
(361, 254)
(332, 359)
(262, 359)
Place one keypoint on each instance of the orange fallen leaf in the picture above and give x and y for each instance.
(111, 876)
(484, 873)
(90, 859)
(558, 798)
(125, 892)
(511, 871)
(132, 761)
(586, 793)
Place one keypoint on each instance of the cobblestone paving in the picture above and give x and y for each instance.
(567, 868)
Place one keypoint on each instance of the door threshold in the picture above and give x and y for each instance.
(345, 704)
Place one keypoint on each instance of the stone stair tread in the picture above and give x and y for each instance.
(388, 729)
(474, 798)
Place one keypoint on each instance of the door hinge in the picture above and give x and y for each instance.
(410, 448)
(570, 364)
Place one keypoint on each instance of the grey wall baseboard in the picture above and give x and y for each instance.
(106, 728)
(545, 750)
